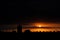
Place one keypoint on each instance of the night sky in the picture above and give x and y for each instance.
(30, 11)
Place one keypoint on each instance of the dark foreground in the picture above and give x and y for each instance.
(29, 36)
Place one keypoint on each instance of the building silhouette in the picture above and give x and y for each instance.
(19, 29)
(27, 31)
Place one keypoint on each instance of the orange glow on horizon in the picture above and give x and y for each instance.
(46, 24)
(38, 25)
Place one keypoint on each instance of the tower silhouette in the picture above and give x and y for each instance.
(19, 29)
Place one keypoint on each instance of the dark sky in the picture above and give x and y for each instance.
(31, 10)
